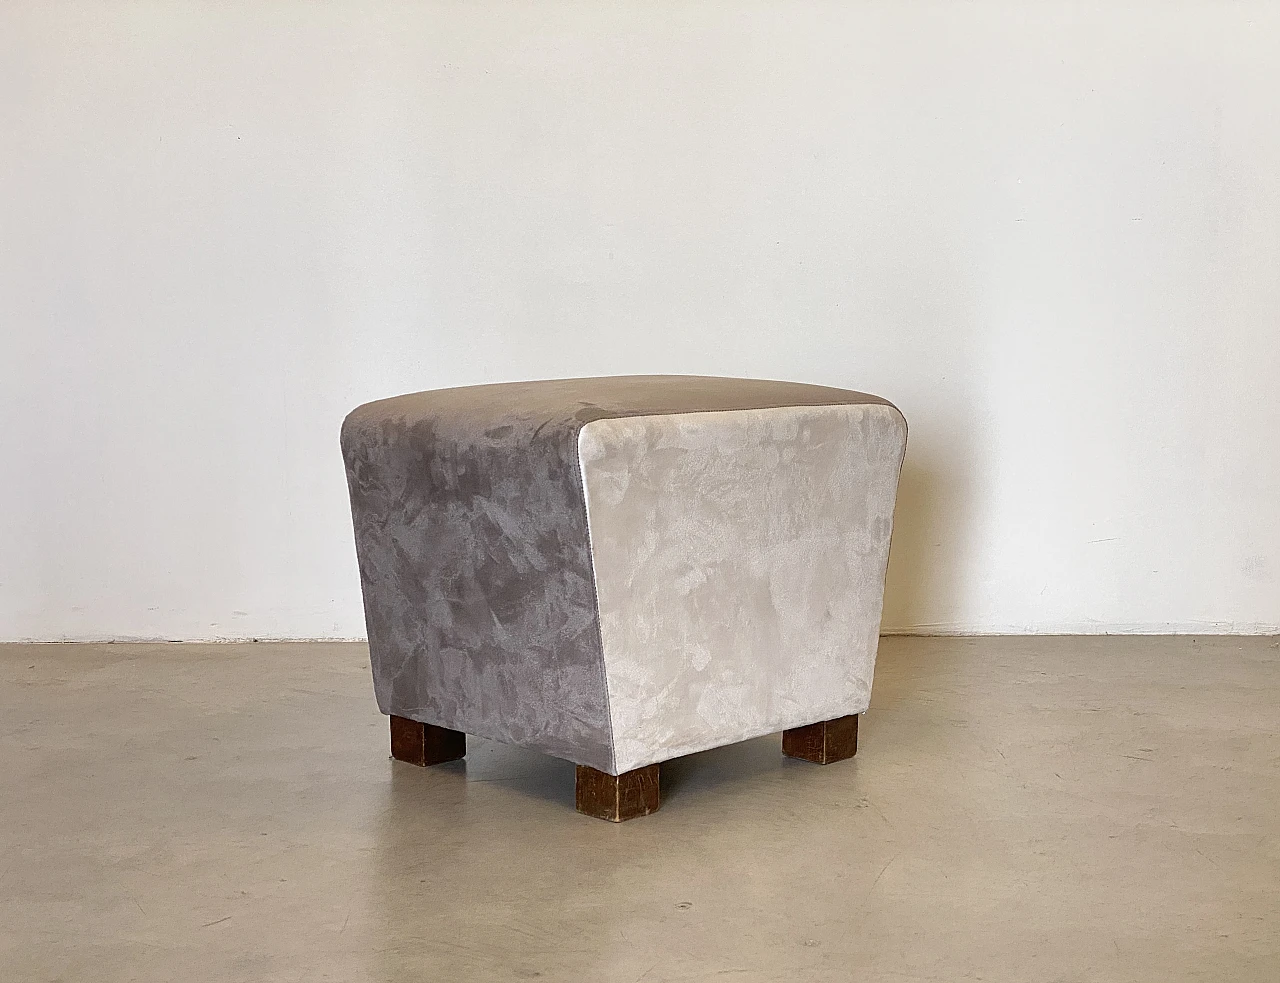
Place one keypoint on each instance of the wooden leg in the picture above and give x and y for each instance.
(824, 743)
(617, 798)
(425, 744)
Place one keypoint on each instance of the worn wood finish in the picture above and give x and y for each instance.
(618, 798)
(425, 744)
(823, 743)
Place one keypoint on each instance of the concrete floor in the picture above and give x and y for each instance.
(1020, 810)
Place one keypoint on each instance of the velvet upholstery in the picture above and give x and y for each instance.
(479, 563)
(739, 561)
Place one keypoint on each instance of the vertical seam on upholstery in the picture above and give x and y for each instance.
(893, 523)
(595, 593)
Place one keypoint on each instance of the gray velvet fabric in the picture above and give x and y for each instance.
(739, 561)
(475, 562)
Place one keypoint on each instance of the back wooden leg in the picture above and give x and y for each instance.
(425, 744)
(617, 798)
(823, 743)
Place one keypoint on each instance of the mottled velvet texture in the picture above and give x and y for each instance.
(739, 562)
(478, 592)
(476, 557)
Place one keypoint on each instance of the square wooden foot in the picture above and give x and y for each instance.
(617, 798)
(425, 744)
(823, 743)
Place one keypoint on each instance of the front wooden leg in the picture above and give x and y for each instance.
(425, 744)
(823, 743)
(617, 798)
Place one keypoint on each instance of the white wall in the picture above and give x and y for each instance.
(1050, 231)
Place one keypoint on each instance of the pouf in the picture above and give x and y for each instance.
(618, 571)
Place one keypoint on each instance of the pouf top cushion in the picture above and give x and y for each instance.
(581, 401)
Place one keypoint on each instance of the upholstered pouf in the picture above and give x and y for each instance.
(619, 571)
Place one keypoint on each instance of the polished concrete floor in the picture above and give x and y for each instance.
(1051, 809)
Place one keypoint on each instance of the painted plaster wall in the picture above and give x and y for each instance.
(1050, 232)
